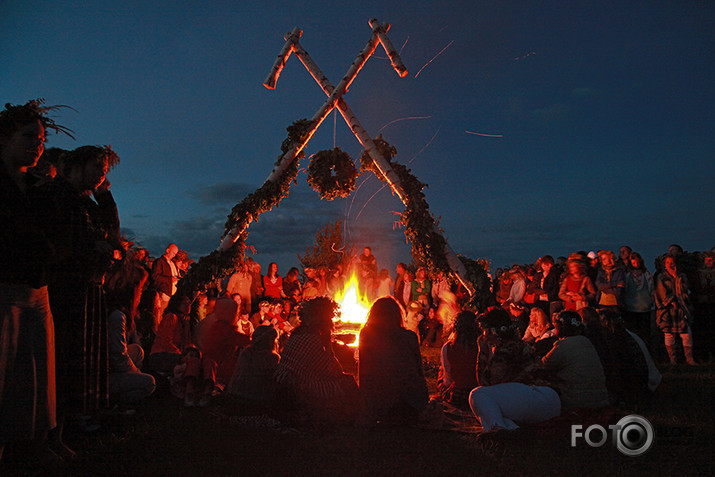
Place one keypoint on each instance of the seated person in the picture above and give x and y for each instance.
(575, 365)
(172, 336)
(392, 382)
(252, 389)
(458, 369)
(221, 342)
(540, 333)
(510, 394)
(127, 384)
(311, 383)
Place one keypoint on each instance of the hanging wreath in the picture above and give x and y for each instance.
(332, 174)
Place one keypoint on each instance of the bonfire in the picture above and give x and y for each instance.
(353, 307)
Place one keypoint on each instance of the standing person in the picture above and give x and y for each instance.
(240, 282)
(624, 257)
(576, 290)
(440, 286)
(518, 287)
(27, 354)
(545, 285)
(273, 283)
(85, 234)
(367, 273)
(336, 282)
(400, 283)
(422, 287)
(385, 283)
(674, 311)
(291, 284)
(638, 297)
(256, 284)
(610, 282)
(704, 329)
(165, 276)
(407, 289)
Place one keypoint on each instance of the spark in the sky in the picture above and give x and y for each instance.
(435, 56)
(403, 119)
(524, 56)
(485, 135)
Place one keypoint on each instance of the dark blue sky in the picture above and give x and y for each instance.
(604, 112)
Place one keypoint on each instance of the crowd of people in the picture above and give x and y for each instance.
(90, 321)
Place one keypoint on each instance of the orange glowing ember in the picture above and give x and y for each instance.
(354, 308)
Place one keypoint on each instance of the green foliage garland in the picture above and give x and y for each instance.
(427, 246)
(321, 178)
(479, 278)
(221, 263)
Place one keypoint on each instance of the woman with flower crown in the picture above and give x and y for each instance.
(27, 338)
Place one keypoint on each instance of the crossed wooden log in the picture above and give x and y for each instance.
(335, 99)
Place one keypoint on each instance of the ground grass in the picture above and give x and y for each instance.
(165, 439)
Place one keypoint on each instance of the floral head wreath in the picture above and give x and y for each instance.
(572, 321)
(501, 329)
(33, 110)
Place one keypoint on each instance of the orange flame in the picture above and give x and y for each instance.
(354, 307)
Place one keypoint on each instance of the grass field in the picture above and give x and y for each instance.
(164, 438)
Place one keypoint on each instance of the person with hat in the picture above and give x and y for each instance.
(413, 317)
(593, 264)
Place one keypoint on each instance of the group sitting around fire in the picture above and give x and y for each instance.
(91, 324)
(552, 340)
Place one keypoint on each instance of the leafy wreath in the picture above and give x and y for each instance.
(420, 226)
(320, 174)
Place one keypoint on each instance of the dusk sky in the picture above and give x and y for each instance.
(540, 127)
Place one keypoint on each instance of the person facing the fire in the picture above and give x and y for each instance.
(310, 380)
(392, 381)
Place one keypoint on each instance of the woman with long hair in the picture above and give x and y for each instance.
(127, 384)
(458, 367)
(392, 382)
(273, 283)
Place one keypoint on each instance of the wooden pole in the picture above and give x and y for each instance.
(335, 94)
(317, 119)
(369, 145)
